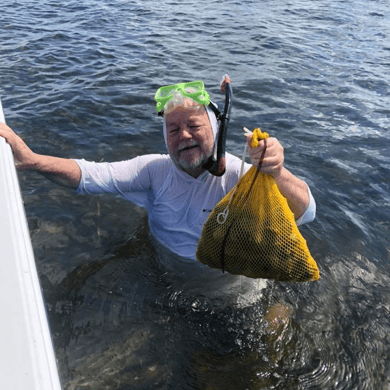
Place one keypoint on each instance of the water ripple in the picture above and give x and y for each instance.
(77, 80)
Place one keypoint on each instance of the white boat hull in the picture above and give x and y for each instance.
(27, 358)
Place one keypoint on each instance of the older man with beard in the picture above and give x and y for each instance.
(175, 188)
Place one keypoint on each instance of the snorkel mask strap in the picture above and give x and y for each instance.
(215, 110)
(217, 166)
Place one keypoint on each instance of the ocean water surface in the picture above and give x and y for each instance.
(77, 80)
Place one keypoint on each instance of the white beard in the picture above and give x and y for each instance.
(195, 163)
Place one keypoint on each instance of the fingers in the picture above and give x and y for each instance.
(23, 155)
(9, 135)
(225, 80)
(273, 157)
(3, 129)
(6, 132)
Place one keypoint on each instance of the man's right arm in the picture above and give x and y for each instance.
(65, 172)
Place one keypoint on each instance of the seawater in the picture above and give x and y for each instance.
(77, 80)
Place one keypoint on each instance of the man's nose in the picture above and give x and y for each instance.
(185, 132)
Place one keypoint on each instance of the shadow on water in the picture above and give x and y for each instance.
(130, 249)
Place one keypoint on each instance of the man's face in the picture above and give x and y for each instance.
(190, 139)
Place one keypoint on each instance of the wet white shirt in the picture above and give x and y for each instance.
(177, 204)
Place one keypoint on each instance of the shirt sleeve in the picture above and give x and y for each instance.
(310, 213)
(133, 179)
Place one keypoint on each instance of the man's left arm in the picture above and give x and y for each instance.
(294, 189)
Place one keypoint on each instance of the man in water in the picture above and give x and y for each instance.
(176, 190)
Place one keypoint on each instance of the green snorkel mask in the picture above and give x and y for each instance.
(170, 96)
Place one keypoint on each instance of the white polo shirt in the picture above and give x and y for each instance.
(177, 204)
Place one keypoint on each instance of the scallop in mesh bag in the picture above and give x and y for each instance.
(252, 232)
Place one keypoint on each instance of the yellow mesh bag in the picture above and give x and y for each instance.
(252, 232)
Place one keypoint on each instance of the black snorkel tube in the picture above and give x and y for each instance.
(217, 166)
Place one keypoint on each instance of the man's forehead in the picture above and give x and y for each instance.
(180, 115)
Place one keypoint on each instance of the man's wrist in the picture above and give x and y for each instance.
(280, 174)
